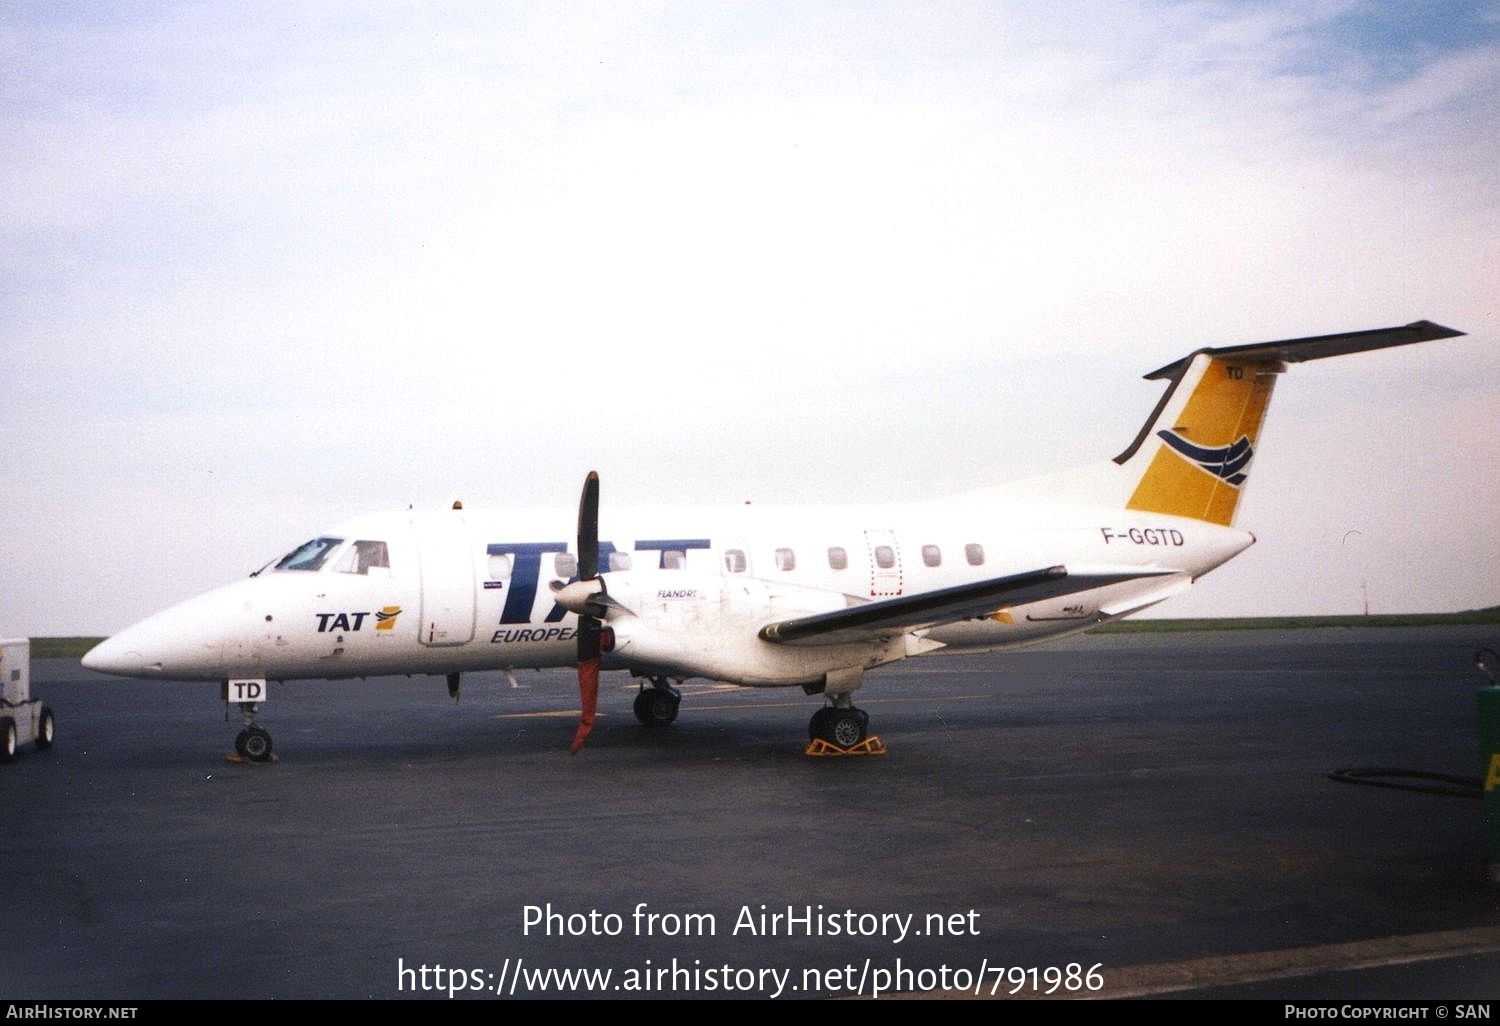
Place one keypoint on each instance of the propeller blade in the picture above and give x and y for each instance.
(588, 529)
(588, 679)
(588, 625)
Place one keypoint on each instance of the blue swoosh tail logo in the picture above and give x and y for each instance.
(1226, 462)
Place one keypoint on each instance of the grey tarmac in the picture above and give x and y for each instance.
(1153, 806)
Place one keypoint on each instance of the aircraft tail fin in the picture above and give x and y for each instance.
(1192, 457)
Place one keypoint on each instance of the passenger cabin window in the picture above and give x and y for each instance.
(786, 559)
(885, 557)
(932, 555)
(309, 556)
(565, 565)
(619, 561)
(363, 556)
(734, 561)
(838, 559)
(974, 553)
(500, 566)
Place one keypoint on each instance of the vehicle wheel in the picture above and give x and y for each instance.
(257, 745)
(46, 728)
(846, 727)
(7, 739)
(818, 726)
(655, 707)
(239, 743)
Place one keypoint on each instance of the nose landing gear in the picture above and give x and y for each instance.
(252, 744)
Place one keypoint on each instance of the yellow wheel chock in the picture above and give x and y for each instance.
(869, 746)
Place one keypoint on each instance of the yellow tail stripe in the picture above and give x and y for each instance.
(1228, 403)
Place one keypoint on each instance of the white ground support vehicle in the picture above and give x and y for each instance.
(23, 719)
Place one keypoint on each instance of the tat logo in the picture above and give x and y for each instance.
(385, 620)
(1227, 462)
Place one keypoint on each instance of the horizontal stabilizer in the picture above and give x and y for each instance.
(946, 605)
(1318, 347)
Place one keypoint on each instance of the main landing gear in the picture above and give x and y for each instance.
(656, 706)
(253, 743)
(841, 729)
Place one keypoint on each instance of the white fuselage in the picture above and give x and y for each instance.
(461, 590)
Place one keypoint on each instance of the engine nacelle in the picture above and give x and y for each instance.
(682, 624)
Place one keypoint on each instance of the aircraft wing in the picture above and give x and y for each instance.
(946, 605)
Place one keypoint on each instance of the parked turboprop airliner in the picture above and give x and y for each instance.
(760, 597)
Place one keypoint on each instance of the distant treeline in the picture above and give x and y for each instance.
(1258, 623)
(61, 648)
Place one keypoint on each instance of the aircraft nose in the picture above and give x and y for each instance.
(185, 642)
(115, 655)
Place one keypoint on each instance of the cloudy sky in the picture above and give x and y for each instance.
(265, 266)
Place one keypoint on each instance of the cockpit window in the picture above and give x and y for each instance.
(363, 555)
(309, 556)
